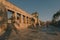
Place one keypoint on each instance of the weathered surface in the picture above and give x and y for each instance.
(3, 18)
(24, 17)
(35, 34)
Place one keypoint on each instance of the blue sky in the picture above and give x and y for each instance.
(45, 8)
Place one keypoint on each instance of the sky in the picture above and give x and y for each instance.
(45, 8)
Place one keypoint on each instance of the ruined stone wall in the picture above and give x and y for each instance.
(24, 17)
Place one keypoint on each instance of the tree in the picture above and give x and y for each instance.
(56, 16)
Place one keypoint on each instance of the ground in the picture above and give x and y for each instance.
(42, 33)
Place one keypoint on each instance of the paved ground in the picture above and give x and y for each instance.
(43, 33)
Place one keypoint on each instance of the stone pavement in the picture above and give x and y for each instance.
(35, 34)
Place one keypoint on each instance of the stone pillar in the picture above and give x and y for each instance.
(21, 18)
(28, 20)
(25, 20)
(14, 15)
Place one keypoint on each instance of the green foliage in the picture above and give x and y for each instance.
(55, 17)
